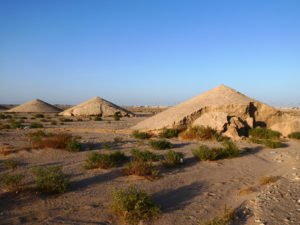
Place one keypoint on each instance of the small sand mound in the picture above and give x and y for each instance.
(36, 106)
(221, 108)
(96, 106)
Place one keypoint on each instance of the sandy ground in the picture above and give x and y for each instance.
(189, 194)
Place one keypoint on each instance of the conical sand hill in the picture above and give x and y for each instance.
(36, 106)
(221, 108)
(96, 106)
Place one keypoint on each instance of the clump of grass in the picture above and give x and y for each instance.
(226, 219)
(267, 143)
(16, 124)
(141, 168)
(264, 133)
(133, 205)
(160, 144)
(51, 179)
(204, 153)
(104, 161)
(169, 133)
(118, 139)
(172, 159)
(117, 116)
(36, 125)
(39, 115)
(97, 118)
(65, 120)
(65, 141)
(3, 116)
(12, 182)
(199, 133)
(140, 135)
(143, 155)
(294, 135)
(11, 164)
(268, 180)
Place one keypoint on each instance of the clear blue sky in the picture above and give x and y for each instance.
(148, 51)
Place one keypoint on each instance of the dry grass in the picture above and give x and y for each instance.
(268, 180)
(247, 191)
(200, 133)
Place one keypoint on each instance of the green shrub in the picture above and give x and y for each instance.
(141, 168)
(267, 143)
(107, 146)
(3, 116)
(118, 139)
(264, 133)
(133, 205)
(65, 120)
(199, 133)
(15, 124)
(172, 159)
(97, 118)
(143, 155)
(229, 150)
(73, 145)
(116, 116)
(169, 133)
(104, 161)
(294, 135)
(36, 125)
(51, 179)
(39, 115)
(160, 144)
(11, 164)
(11, 182)
(140, 135)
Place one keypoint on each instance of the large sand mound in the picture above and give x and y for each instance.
(223, 109)
(37, 106)
(96, 106)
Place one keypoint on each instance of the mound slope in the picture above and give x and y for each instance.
(221, 108)
(37, 106)
(96, 106)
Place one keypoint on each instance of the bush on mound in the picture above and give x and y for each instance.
(229, 150)
(140, 135)
(267, 143)
(12, 182)
(201, 133)
(141, 168)
(172, 159)
(143, 155)
(133, 205)
(104, 161)
(264, 133)
(160, 144)
(294, 135)
(169, 133)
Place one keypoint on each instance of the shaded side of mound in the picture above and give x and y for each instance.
(96, 107)
(221, 108)
(36, 106)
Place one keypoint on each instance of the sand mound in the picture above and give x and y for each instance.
(221, 108)
(37, 106)
(96, 106)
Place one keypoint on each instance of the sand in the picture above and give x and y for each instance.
(189, 194)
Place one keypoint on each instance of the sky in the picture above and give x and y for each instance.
(148, 52)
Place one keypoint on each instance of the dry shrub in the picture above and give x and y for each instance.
(268, 180)
(226, 219)
(141, 168)
(247, 191)
(199, 133)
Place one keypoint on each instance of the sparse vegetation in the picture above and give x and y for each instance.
(65, 141)
(104, 161)
(294, 135)
(107, 146)
(169, 133)
(268, 180)
(143, 155)
(247, 191)
(160, 144)
(39, 115)
(264, 133)
(53, 122)
(118, 139)
(172, 159)
(229, 150)
(133, 205)
(97, 118)
(140, 135)
(51, 179)
(12, 182)
(267, 143)
(36, 125)
(15, 124)
(65, 120)
(11, 164)
(117, 116)
(141, 168)
(226, 219)
(200, 133)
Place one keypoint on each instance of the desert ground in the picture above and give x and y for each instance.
(191, 193)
